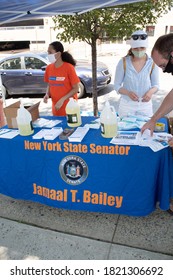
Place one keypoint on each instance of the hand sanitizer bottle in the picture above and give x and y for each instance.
(73, 113)
(108, 121)
(24, 121)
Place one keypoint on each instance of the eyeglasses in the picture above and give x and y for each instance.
(141, 36)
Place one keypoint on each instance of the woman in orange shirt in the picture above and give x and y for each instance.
(61, 77)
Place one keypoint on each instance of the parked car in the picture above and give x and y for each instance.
(23, 74)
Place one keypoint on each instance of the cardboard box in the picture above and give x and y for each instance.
(11, 113)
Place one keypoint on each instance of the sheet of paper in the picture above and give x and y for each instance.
(48, 134)
(10, 135)
(125, 138)
(4, 130)
(42, 122)
(78, 134)
(156, 142)
(52, 133)
(40, 134)
(52, 123)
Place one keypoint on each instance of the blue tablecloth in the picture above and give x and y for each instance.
(93, 175)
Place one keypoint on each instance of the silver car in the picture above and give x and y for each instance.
(23, 74)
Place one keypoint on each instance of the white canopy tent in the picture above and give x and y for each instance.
(15, 10)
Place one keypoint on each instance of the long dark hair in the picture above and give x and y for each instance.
(164, 45)
(129, 53)
(66, 56)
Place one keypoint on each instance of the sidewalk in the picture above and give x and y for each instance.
(33, 231)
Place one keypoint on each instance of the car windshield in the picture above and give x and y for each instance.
(44, 55)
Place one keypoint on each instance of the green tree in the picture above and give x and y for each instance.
(118, 22)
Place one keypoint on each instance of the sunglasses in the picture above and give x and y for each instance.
(142, 37)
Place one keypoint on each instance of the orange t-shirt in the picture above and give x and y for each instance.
(61, 80)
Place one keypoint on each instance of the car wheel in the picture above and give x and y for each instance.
(81, 91)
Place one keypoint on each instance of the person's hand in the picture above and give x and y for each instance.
(133, 96)
(146, 97)
(149, 125)
(45, 98)
(170, 142)
(59, 104)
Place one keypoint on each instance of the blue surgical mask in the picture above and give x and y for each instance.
(138, 54)
(51, 58)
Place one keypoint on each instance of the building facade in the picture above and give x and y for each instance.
(37, 34)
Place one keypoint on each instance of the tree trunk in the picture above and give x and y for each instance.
(94, 76)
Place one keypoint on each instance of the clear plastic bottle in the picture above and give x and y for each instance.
(24, 121)
(73, 113)
(108, 121)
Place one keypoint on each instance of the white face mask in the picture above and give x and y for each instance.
(51, 58)
(138, 54)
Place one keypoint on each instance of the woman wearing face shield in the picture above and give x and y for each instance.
(61, 77)
(136, 78)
